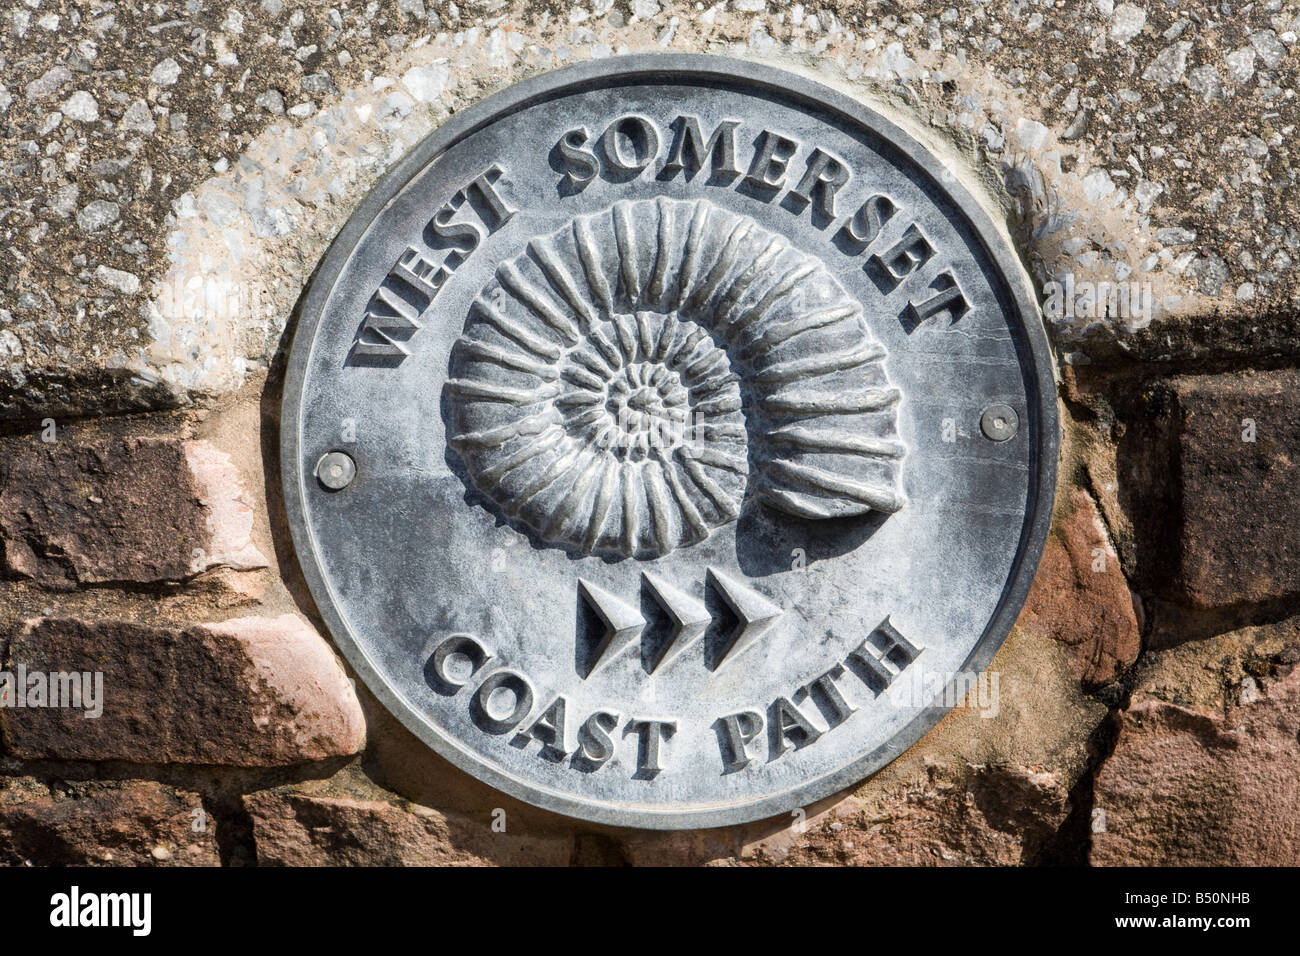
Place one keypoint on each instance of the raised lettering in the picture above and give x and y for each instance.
(822, 690)
(485, 705)
(549, 727)
(865, 224)
(735, 731)
(389, 322)
(883, 647)
(636, 132)
(787, 725)
(771, 158)
(947, 299)
(650, 734)
(580, 164)
(823, 178)
(904, 257)
(421, 273)
(463, 237)
(449, 660)
(721, 147)
(484, 186)
(595, 746)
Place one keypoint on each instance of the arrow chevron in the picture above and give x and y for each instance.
(689, 615)
(755, 614)
(623, 623)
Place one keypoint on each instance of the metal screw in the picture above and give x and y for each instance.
(999, 422)
(335, 470)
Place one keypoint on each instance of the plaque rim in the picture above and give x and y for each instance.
(687, 66)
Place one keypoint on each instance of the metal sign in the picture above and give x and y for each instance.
(665, 436)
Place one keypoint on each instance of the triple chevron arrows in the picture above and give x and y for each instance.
(624, 623)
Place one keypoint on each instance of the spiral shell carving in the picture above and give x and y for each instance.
(618, 382)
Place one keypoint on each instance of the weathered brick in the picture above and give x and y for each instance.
(1238, 497)
(298, 829)
(982, 816)
(131, 823)
(1192, 786)
(126, 510)
(1081, 598)
(246, 692)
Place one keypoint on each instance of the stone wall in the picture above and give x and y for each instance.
(170, 177)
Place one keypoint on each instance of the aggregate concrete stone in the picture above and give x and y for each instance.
(1126, 96)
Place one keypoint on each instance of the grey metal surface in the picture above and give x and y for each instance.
(663, 377)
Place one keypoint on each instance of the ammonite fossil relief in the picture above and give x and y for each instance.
(621, 382)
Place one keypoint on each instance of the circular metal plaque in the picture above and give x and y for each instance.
(632, 441)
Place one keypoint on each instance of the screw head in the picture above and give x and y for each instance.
(999, 422)
(335, 470)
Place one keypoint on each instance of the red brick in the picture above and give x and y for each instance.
(131, 823)
(1238, 499)
(1192, 787)
(1080, 596)
(126, 510)
(297, 829)
(985, 816)
(248, 692)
